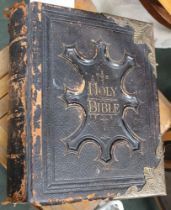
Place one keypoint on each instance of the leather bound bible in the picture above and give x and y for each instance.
(84, 118)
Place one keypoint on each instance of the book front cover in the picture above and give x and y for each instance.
(94, 109)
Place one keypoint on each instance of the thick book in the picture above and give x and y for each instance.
(84, 118)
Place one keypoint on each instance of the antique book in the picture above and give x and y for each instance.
(84, 118)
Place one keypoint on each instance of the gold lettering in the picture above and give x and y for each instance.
(113, 91)
(101, 107)
(109, 108)
(116, 108)
(95, 90)
(89, 89)
(98, 109)
(92, 106)
(104, 107)
(108, 91)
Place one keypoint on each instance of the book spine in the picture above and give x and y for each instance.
(16, 151)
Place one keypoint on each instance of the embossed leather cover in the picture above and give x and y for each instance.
(87, 119)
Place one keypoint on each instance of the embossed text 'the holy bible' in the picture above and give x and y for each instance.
(84, 119)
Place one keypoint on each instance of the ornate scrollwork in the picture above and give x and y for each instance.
(104, 99)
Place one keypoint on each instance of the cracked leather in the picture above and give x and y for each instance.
(90, 109)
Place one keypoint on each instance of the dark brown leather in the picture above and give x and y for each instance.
(16, 164)
(91, 113)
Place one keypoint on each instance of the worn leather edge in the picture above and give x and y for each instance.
(132, 192)
(16, 150)
(155, 177)
(142, 34)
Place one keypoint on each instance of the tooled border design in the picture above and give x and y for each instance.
(53, 187)
(124, 178)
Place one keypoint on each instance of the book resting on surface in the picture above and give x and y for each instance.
(84, 118)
